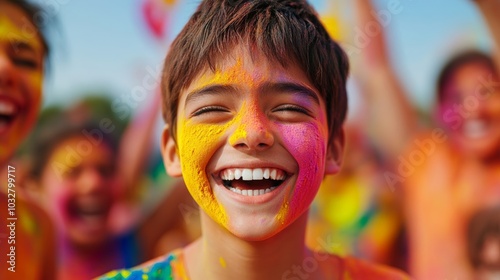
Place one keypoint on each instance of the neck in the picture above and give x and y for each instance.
(218, 254)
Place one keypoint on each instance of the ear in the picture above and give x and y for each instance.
(168, 149)
(335, 153)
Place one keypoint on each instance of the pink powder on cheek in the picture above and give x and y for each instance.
(307, 144)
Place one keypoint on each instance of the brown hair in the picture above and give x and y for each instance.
(284, 31)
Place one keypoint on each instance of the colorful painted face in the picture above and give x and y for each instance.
(21, 72)
(251, 144)
(79, 185)
(471, 110)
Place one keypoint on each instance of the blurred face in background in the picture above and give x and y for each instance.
(470, 110)
(21, 74)
(79, 185)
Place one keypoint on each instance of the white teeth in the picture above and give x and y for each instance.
(7, 108)
(237, 174)
(257, 174)
(230, 174)
(266, 173)
(475, 128)
(251, 192)
(273, 174)
(246, 174)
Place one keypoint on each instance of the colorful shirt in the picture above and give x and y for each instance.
(171, 267)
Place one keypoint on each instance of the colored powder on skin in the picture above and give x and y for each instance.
(283, 212)
(235, 74)
(309, 150)
(28, 222)
(9, 32)
(240, 133)
(197, 144)
(222, 262)
(62, 160)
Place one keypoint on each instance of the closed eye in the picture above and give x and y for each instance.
(25, 63)
(209, 109)
(292, 108)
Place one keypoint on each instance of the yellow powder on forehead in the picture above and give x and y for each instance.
(234, 74)
(9, 32)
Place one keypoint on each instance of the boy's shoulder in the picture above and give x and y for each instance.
(170, 266)
(360, 269)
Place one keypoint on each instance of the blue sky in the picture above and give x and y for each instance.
(105, 46)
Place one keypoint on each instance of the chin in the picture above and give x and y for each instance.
(88, 242)
(252, 232)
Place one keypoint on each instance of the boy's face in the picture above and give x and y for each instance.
(21, 72)
(251, 144)
(473, 110)
(78, 184)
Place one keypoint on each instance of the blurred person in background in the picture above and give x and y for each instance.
(356, 212)
(26, 243)
(75, 171)
(483, 237)
(450, 172)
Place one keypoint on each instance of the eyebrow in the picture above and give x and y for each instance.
(290, 88)
(20, 45)
(209, 90)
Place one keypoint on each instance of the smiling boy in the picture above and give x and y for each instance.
(254, 100)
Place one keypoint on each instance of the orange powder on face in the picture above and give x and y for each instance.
(9, 32)
(234, 74)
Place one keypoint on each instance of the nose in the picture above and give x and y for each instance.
(253, 132)
(91, 181)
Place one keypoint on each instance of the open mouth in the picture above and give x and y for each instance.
(8, 112)
(475, 128)
(92, 213)
(252, 181)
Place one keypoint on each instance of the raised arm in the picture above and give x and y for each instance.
(136, 143)
(490, 10)
(391, 120)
